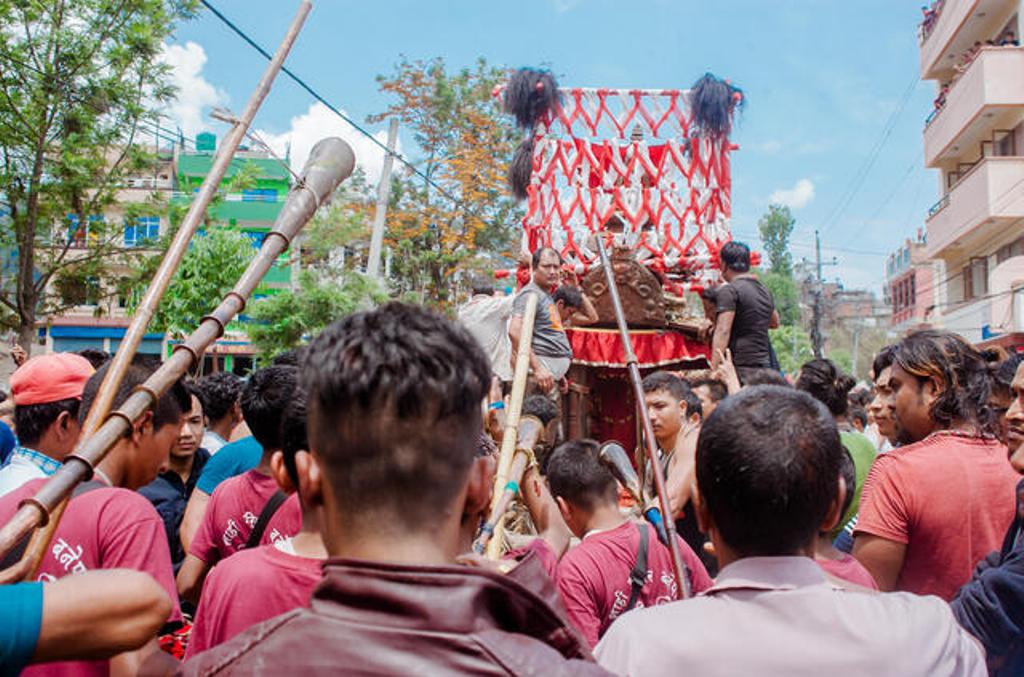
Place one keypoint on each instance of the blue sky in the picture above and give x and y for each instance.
(824, 81)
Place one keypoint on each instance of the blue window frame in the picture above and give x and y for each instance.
(80, 235)
(142, 230)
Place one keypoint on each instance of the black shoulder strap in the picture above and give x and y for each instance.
(264, 519)
(15, 554)
(638, 576)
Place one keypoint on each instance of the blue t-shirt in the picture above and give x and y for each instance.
(233, 459)
(7, 442)
(21, 611)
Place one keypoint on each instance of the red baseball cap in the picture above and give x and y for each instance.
(50, 378)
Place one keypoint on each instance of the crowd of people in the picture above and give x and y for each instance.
(320, 514)
(1007, 38)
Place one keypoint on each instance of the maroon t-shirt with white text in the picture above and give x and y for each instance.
(248, 588)
(593, 577)
(233, 511)
(105, 528)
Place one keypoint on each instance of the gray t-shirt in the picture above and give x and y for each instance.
(549, 339)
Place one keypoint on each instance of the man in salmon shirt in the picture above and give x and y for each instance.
(259, 583)
(937, 505)
(251, 501)
(108, 524)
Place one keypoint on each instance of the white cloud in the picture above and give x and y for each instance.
(770, 146)
(318, 122)
(796, 197)
(195, 94)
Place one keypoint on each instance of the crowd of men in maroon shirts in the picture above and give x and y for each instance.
(334, 532)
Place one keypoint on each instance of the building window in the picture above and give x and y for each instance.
(259, 195)
(1015, 248)
(141, 231)
(82, 235)
(975, 276)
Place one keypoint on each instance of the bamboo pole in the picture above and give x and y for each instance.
(331, 161)
(638, 393)
(515, 408)
(169, 263)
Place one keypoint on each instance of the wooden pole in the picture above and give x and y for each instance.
(331, 161)
(515, 408)
(383, 194)
(172, 258)
(638, 393)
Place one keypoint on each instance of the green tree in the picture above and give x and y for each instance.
(77, 79)
(786, 295)
(775, 228)
(466, 142)
(281, 322)
(209, 270)
(792, 346)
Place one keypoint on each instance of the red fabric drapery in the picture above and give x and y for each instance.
(654, 348)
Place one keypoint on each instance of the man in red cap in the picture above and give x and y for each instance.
(47, 392)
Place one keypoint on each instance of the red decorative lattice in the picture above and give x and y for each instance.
(630, 154)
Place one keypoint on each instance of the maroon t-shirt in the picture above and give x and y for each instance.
(250, 587)
(593, 577)
(106, 528)
(233, 511)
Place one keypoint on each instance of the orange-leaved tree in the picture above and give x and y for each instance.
(464, 143)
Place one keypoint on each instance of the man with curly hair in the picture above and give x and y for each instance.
(935, 506)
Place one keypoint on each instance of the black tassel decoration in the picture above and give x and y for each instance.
(713, 102)
(521, 167)
(531, 93)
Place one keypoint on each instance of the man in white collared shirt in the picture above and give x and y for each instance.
(47, 391)
(486, 317)
(767, 482)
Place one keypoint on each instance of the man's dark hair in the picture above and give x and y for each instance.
(293, 433)
(289, 358)
(735, 256)
(575, 474)
(481, 285)
(220, 392)
(265, 397)
(33, 420)
(96, 357)
(883, 359)
(542, 407)
(192, 388)
(960, 370)
(767, 462)
(826, 383)
(716, 388)
(168, 409)
(570, 295)
(540, 252)
(761, 376)
(1001, 374)
(675, 387)
(394, 411)
(859, 414)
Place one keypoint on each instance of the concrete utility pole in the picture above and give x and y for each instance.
(383, 194)
(817, 340)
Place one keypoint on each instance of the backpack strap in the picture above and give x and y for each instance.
(264, 519)
(15, 554)
(638, 576)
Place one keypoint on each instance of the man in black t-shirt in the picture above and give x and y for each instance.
(746, 311)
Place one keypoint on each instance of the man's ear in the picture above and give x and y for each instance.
(835, 509)
(310, 477)
(564, 508)
(142, 427)
(931, 388)
(704, 522)
(280, 472)
(479, 489)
